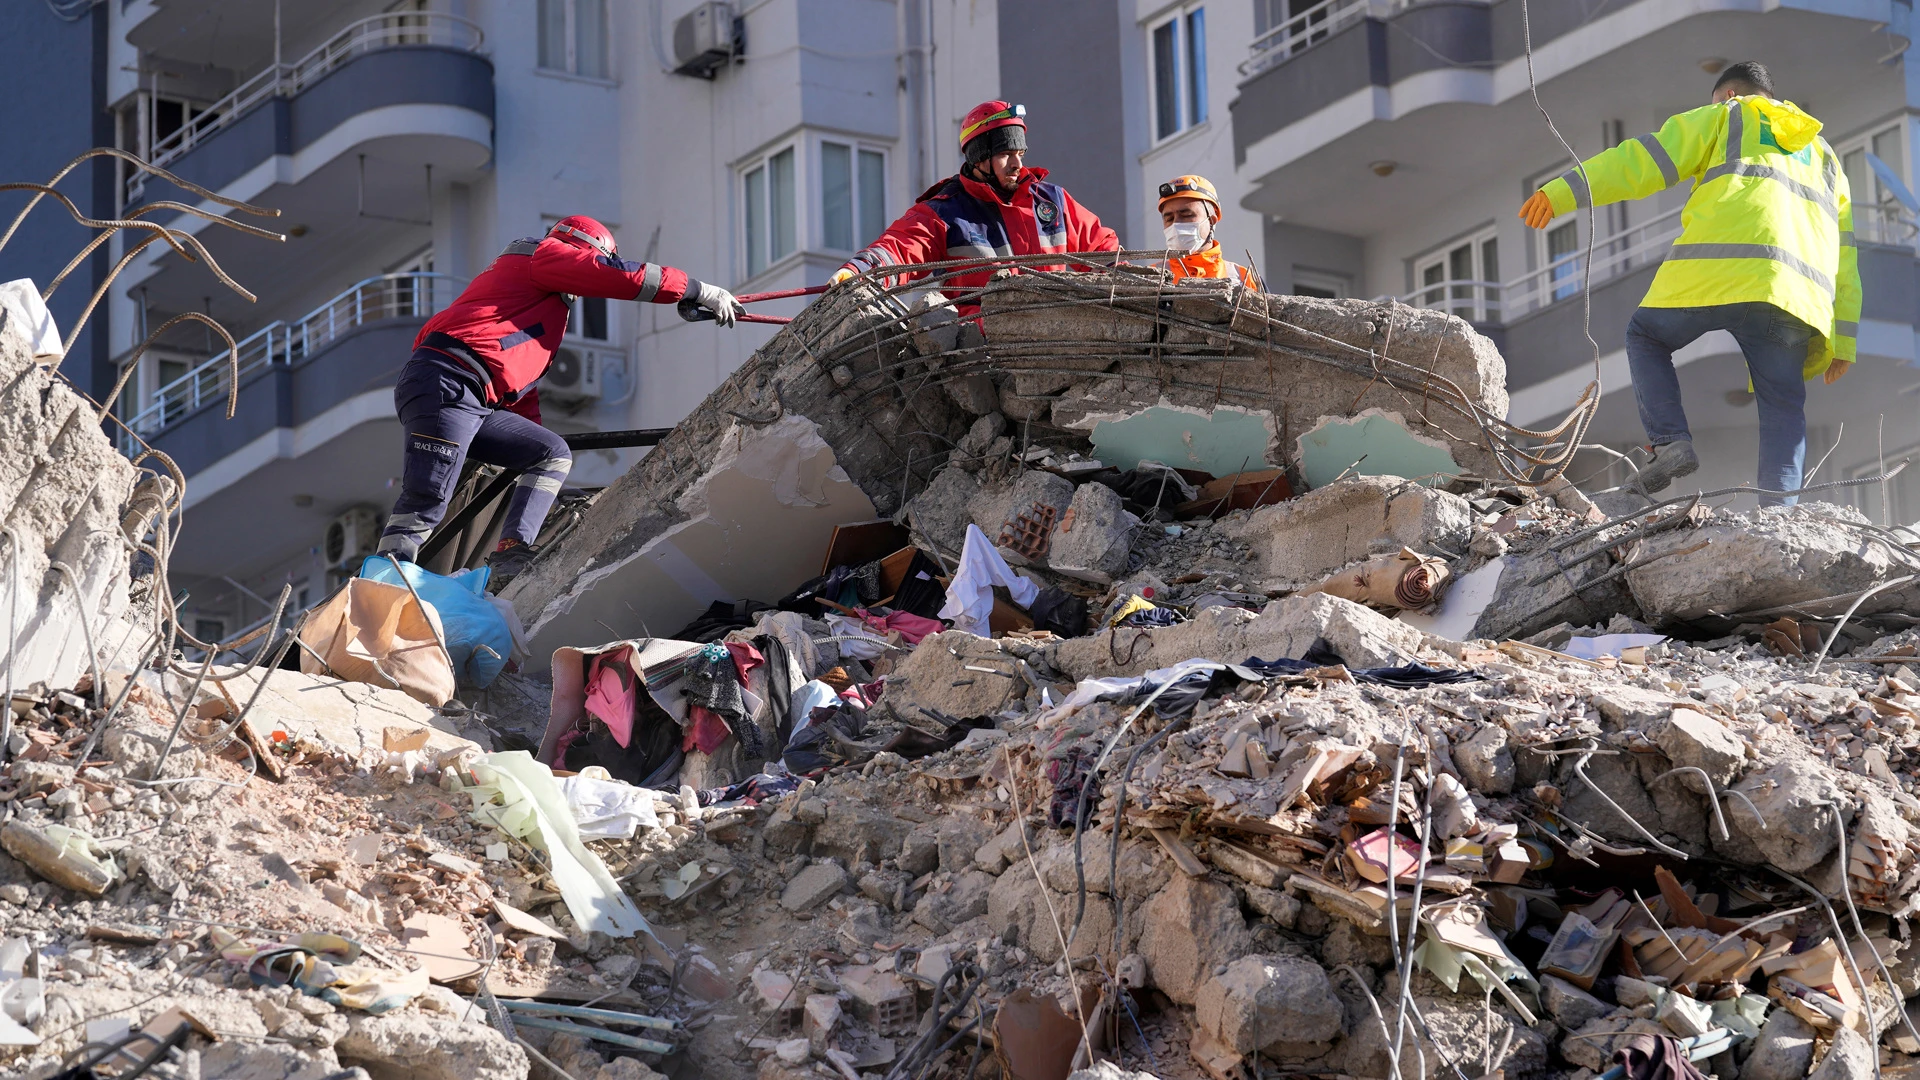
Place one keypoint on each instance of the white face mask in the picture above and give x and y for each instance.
(1184, 236)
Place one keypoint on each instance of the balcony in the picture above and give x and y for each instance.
(290, 372)
(1369, 117)
(375, 63)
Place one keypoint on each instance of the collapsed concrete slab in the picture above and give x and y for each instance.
(861, 395)
(65, 489)
(1305, 539)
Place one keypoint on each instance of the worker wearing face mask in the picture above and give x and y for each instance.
(1190, 213)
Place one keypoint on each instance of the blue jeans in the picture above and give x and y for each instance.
(1775, 345)
(445, 420)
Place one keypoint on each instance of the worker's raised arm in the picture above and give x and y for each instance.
(1642, 165)
(566, 268)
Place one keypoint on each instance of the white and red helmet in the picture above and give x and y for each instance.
(582, 230)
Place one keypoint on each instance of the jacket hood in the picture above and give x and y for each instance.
(1792, 127)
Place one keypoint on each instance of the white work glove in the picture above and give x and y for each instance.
(721, 302)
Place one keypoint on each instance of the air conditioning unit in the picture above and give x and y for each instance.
(351, 537)
(706, 39)
(581, 372)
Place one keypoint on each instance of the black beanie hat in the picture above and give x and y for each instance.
(988, 143)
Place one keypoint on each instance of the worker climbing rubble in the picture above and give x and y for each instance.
(1767, 254)
(471, 387)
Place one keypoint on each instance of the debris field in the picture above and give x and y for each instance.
(1088, 676)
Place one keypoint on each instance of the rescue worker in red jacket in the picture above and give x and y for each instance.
(1190, 214)
(468, 389)
(995, 207)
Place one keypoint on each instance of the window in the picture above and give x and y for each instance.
(1179, 47)
(1462, 279)
(1878, 216)
(1563, 260)
(853, 196)
(771, 232)
(590, 319)
(209, 630)
(573, 37)
(1321, 284)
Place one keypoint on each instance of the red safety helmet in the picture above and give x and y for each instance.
(989, 115)
(581, 229)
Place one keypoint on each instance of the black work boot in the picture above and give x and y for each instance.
(507, 563)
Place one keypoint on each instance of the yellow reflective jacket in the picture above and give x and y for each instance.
(1770, 218)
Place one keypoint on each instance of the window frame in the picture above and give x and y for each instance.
(1878, 231)
(1188, 75)
(1480, 303)
(856, 191)
(762, 162)
(570, 35)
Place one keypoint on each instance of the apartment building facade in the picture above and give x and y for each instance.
(1389, 143)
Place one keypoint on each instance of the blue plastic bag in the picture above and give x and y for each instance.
(477, 634)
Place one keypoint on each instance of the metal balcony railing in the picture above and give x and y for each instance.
(285, 80)
(1295, 33)
(1504, 301)
(388, 296)
(1884, 223)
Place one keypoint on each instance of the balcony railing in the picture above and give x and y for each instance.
(388, 296)
(285, 80)
(1884, 223)
(1300, 31)
(1505, 301)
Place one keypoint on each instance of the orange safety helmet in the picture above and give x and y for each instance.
(581, 229)
(990, 116)
(1190, 187)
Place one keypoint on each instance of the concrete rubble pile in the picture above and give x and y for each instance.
(1260, 763)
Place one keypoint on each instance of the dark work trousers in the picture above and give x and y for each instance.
(445, 419)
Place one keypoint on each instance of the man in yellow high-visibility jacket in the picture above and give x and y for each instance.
(1766, 253)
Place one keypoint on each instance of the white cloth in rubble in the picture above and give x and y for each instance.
(608, 808)
(970, 596)
(27, 316)
(855, 638)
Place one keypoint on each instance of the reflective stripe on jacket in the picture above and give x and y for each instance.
(960, 218)
(1770, 218)
(506, 324)
(1209, 263)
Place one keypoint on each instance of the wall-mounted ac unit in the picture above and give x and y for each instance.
(350, 538)
(706, 39)
(581, 373)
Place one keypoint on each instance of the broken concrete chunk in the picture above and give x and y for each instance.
(939, 512)
(1284, 628)
(1784, 1050)
(1485, 762)
(1570, 1005)
(1304, 539)
(1278, 1005)
(1692, 739)
(813, 886)
(1092, 539)
(964, 898)
(1764, 559)
(1193, 926)
(64, 856)
(1849, 1057)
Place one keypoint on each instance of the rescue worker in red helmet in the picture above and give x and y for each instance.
(1190, 214)
(469, 388)
(994, 207)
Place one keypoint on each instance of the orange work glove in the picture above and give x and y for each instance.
(840, 275)
(1836, 369)
(1537, 210)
